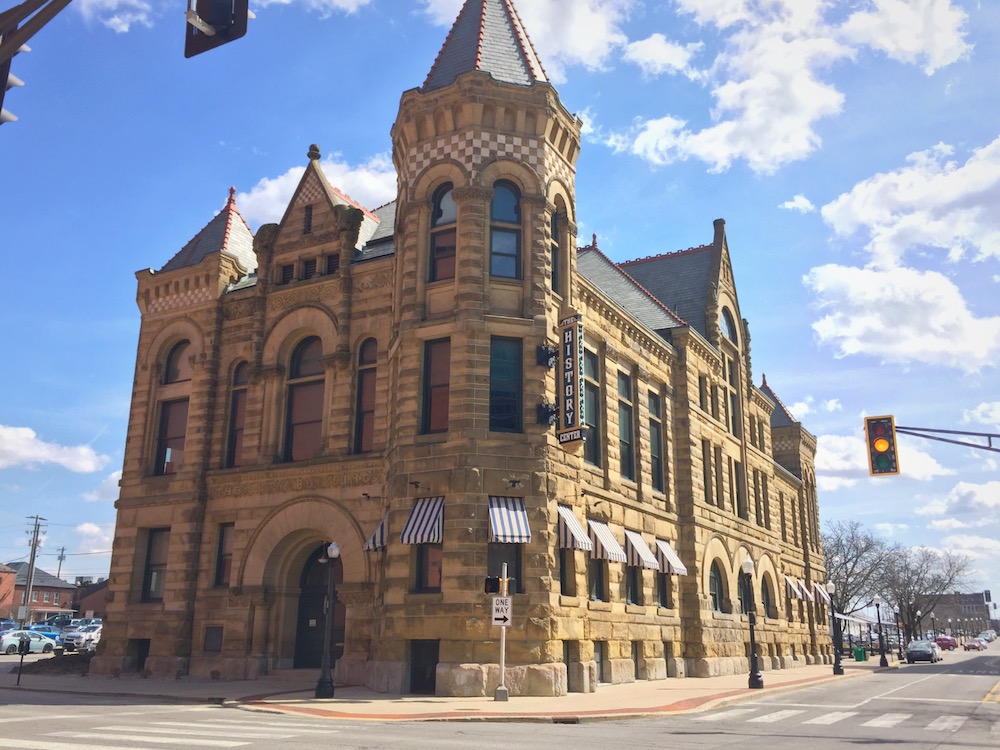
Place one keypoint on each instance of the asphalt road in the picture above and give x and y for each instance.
(952, 705)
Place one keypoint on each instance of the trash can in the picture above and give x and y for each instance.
(860, 654)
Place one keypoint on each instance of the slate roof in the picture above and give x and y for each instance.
(227, 233)
(681, 281)
(780, 417)
(39, 579)
(603, 273)
(487, 36)
(381, 244)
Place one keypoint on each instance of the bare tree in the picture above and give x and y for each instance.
(917, 578)
(856, 562)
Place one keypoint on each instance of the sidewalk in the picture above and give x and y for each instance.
(296, 696)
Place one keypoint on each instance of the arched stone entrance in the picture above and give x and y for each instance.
(311, 621)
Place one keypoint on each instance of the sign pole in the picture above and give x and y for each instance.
(501, 693)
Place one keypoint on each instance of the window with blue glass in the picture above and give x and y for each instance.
(505, 231)
(505, 384)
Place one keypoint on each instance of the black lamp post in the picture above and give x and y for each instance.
(933, 626)
(838, 667)
(899, 636)
(324, 686)
(756, 680)
(919, 632)
(882, 661)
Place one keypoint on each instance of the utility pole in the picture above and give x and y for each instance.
(62, 559)
(25, 613)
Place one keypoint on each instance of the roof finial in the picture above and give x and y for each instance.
(314, 152)
(232, 195)
(593, 241)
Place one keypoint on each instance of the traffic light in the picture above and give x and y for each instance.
(212, 23)
(9, 79)
(492, 585)
(880, 434)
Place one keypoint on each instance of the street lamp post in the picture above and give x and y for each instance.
(838, 667)
(756, 680)
(899, 637)
(919, 633)
(324, 686)
(882, 661)
(933, 626)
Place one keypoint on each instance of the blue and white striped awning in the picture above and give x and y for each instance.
(508, 520)
(377, 539)
(571, 533)
(426, 522)
(670, 562)
(605, 545)
(639, 553)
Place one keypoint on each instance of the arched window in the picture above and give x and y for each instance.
(178, 365)
(443, 234)
(715, 586)
(505, 231)
(766, 599)
(304, 425)
(237, 415)
(728, 325)
(364, 425)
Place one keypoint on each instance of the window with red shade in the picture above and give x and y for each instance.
(304, 411)
(437, 383)
(364, 425)
(237, 415)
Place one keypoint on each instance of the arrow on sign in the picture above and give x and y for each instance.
(501, 619)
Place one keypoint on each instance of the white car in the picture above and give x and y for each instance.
(83, 640)
(39, 642)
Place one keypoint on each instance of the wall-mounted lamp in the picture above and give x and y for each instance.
(416, 485)
(545, 356)
(547, 413)
(513, 483)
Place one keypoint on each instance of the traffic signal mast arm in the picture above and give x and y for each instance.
(922, 433)
(12, 18)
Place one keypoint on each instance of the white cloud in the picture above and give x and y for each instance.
(371, 184)
(890, 529)
(325, 8)
(922, 32)
(21, 447)
(953, 524)
(904, 316)
(987, 413)
(119, 15)
(932, 202)
(656, 56)
(976, 547)
(106, 490)
(799, 203)
(94, 538)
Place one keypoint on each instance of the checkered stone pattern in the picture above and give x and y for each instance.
(181, 300)
(311, 191)
(475, 148)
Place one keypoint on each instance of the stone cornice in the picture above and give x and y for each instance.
(288, 478)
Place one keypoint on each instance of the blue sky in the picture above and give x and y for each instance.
(852, 147)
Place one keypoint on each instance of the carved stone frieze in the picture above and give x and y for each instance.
(371, 282)
(315, 293)
(295, 481)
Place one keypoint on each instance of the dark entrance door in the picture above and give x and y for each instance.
(423, 666)
(310, 627)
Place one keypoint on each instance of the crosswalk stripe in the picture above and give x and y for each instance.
(42, 745)
(887, 720)
(198, 730)
(776, 716)
(831, 718)
(732, 713)
(250, 726)
(947, 723)
(151, 740)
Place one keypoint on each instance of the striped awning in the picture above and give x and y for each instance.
(425, 524)
(639, 553)
(508, 520)
(821, 592)
(792, 588)
(605, 545)
(377, 539)
(806, 594)
(670, 562)
(571, 533)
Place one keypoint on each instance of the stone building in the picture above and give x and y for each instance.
(443, 385)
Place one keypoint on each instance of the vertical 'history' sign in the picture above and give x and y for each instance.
(571, 381)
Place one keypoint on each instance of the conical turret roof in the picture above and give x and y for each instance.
(227, 233)
(488, 36)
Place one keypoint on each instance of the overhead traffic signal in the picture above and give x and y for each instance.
(880, 434)
(212, 23)
(8, 79)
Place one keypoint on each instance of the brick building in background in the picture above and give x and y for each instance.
(385, 378)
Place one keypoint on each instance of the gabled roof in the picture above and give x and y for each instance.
(603, 273)
(227, 233)
(780, 417)
(487, 36)
(40, 578)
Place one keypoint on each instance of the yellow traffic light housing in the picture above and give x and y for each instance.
(880, 435)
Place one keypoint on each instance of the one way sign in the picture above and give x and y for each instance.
(502, 610)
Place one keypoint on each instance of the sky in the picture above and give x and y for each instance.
(853, 148)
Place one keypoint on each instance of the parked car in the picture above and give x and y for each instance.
(60, 621)
(987, 635)
(923, 651)
(50, 630)
(976, 644)
(946, 642)
(85, 639)
(39, 642)
(7, 624)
